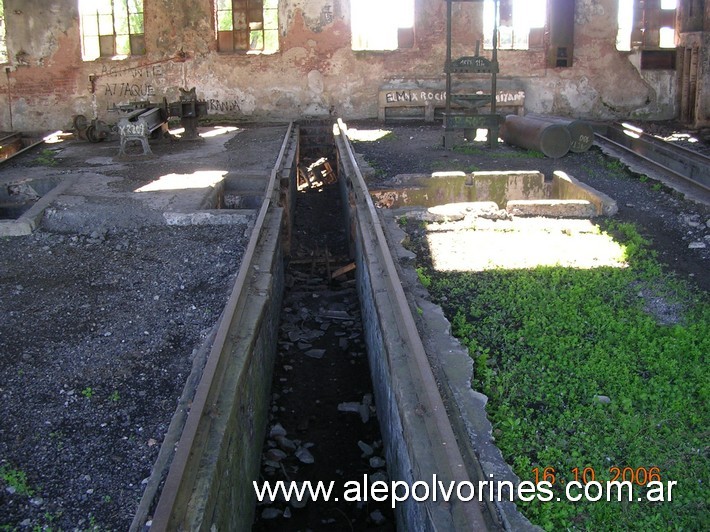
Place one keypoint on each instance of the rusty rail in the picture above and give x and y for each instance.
(669, 159)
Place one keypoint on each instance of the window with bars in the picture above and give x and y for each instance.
(247, 25)
(111, 28)
(3, 40)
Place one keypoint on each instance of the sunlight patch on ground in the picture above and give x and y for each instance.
(367, 135)
(199, 179)
(214, 132)
(478, 244)
(218, 130)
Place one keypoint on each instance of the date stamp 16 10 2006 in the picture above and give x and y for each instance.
(582, 483)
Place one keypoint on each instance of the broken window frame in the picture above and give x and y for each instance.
(392, 29)
(515, 30)
(247, 26)
(641, 25)
(4, 56)
(111, 29)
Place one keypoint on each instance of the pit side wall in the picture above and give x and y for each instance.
(223, 497)
(410, 516)
(567, 187)
(409, 416)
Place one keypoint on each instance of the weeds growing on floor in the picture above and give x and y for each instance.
(580, 374)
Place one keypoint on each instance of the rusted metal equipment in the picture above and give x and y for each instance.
(139, 125)
(142, 119)
(581, 131)
(149, 119)
(188, 109)
(554, 140)
(469, 120)
(94, 131)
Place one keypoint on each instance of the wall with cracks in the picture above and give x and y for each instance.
(315, 72)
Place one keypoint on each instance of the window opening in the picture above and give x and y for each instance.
(646, 25)
(625, 19)
(111, 28)
(247, 25)
(3, 37)
(382, 24)
(515, 20)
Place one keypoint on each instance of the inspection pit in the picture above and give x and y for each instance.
(520, 193)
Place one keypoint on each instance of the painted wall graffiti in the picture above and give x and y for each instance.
(419, 96)
(153, 71)
(133, 129)
(222, 106)
(129, 90)
(510, 96)
(118, 84)
(414, 95)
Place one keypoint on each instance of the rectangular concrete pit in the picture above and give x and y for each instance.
(27, 200)
(520, 193)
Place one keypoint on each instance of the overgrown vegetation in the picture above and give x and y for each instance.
(15, 480)
(45, 158)
(580, 373)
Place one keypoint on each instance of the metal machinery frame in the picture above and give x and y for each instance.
(469, 119)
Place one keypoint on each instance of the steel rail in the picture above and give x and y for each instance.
(645, 146)
(210, 383)
(446, 437)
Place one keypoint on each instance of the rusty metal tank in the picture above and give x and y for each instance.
(582, 132)
(554, 140)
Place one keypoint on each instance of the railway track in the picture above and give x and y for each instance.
(12, 144)
(676, 165)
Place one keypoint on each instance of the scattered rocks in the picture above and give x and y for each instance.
(271, 513)
(377, 518)
(304, 455)
(376, 462)
(84, 362)
(315, 353)
(603, 399)
(366, 449)
(312, 422)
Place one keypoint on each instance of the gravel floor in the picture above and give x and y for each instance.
(91, 366)
(99, 327)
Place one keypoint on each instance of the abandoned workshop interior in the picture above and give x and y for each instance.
(354, 265)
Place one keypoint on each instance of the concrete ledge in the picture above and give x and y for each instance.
(419, 440)
(552, 208)
(30, 220)
(209, 484)
(210, 217)
(453, 368)
(565, 186)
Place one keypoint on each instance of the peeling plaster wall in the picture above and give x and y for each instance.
(315, 72)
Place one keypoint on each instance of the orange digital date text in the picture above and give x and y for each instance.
(640, 475)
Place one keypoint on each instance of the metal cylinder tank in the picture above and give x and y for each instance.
(554, 140)
(582, 132)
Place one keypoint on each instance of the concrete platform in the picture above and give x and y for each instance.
(98, 192)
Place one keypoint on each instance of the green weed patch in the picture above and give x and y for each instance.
(585, 381)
